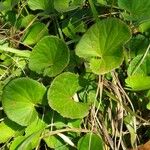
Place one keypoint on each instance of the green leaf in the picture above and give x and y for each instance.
(55, 142)
(35, 126)
(129, 122)
(41, 5)
(26, 143)
(148, 106)
(138, 9)
(35, 33)
(102, 2)
(138, 82)
(60, 96)
(137, 45)
(72, 27)
(145, 26)
(138, 73)
(25, 21)
(90, 142)
(19, 99)
(102, 45)
(50, 56)
(8, 5)
(16, 142)
(143, 69)
(67, 5)
(8, 129)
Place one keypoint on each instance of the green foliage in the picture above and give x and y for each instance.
(74, 74)
(138, 10)
(8, 130)
(102, 45)
(40, 5)
(61, 96)
(67, 5)
(49, 57)
(20, 97)
(35, 33)
(90, 141)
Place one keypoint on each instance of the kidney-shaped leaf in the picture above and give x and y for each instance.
(102, 45)
(50, 56)
(139, 9)
(20, 96)
(91, 142)
(60, 96)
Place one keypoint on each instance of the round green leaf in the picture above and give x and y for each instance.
(90, 142)
(50, 56)
(20, 96)
(60, 96)
(35, 33)
(102, 45)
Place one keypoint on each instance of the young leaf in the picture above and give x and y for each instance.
(20, 96)
(41, 5)
(138, 73)
(8, 129)
(25, 21)
(55, 142)
(35, 33)
(16, 142)
(35, 126)
(90, 142)
(145, 26)
(50, 56)
(138, 82)
(60, 96)
(65, 5)
(33, 129)
(102, 45)
(136, 68)
(26, 143)
(7, 5)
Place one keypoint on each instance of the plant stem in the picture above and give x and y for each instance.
(65, 130)
(21, 53)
